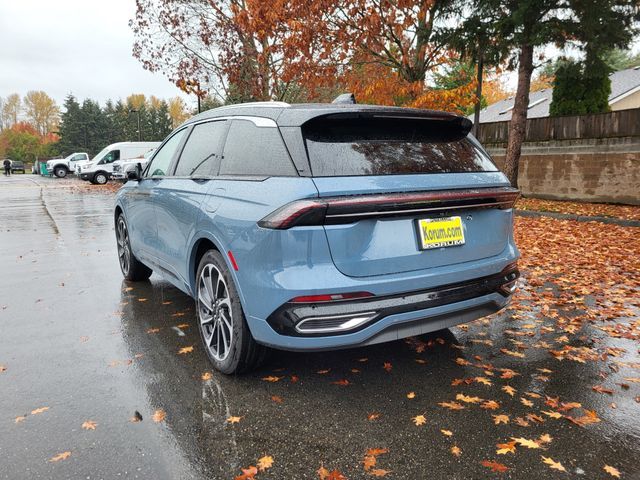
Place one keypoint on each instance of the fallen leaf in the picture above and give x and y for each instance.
(553, 464)
(456, 450)
(387, 366)
(277, 399)
(545, 438)
(509, 389)
(373, 416)
(234, 419)
(183, 325)
(207, 376)
(379, 472)
(153, 330)
(295, 379)
(483, 380)
(323, 372)
(611, 471)
(411, 395)
(552, 414)
(498, 419)
(21, 418)
(184, 350)
(524, 442)
(452, 405)
(247, 473)
(504, 448)
(136, 417)
(490, 405)
(467, 399)
(494, 466)
(419, 420)
(447, 433)
(60, 456)
(39, 410)
(526, 402)
(89, 425)
(377, 451)
(265, 462)
(272, 379)
(343, 382)
(142, 299)
(159, 415)
(512, 353)
(601, 389)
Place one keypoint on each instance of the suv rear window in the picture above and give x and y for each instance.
(341, 146)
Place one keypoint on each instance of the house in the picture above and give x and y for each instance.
(625, 94)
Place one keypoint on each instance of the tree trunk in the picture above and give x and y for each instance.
(478, 105)
(518, 125)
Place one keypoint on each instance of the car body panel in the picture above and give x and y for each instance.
(169, 218)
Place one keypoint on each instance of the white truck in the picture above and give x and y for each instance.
(122, 167)
(100, 168)
(60, 167)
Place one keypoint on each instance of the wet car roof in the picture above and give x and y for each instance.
(294, 115)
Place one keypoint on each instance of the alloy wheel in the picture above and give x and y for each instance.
(124, 249)
(214, 311)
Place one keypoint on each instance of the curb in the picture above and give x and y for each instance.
(578, 218)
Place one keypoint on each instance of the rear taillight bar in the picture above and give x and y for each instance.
(348, 209)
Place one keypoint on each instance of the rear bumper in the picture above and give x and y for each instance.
(380, 319)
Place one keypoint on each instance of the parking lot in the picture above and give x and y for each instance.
(100, 378)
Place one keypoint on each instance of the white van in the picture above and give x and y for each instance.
(99, 169)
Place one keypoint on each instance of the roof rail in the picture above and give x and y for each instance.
(258, 104)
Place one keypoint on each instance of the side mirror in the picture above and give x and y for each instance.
(136, 173)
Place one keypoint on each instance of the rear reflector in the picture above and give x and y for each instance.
(348, 209)
(330, 297)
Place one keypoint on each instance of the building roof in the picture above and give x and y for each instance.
(623, 83)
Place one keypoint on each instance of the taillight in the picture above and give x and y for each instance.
(330, 297)
(348, 209)
(294, 214)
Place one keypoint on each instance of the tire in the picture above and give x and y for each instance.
(132, 269)
(220, 316)
(100, 178)
(60, 172)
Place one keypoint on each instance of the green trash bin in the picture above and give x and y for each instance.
(43, 169)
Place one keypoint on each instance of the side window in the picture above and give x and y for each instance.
(110, 157)
(162, 159)
(253, 150)
(78, 157)
(201, 153)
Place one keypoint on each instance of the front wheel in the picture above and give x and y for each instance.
(131, 267)
(60, 172)
(100, 178)
(223, 327)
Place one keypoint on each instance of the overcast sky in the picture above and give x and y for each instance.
(73, 46)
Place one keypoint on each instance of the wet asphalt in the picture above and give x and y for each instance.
(76, 338)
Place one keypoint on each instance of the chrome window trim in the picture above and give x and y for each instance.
(257, 121)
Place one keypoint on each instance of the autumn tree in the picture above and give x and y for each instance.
(41, 111)
(11, 108)
(178, 111)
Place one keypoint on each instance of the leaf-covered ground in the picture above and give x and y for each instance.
(101, 378)
(625, 212)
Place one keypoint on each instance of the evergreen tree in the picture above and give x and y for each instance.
(70, 129)
(568, 90)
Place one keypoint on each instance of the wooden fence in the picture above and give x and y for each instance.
(622, 123)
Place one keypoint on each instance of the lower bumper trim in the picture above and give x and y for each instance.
(334, 318)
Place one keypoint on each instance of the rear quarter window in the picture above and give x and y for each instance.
(342, 146)
(256, 151)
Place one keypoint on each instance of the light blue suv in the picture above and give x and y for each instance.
(321, 226)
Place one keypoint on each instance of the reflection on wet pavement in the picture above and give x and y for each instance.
(78, 339)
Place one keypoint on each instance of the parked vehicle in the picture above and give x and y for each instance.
(99, 169)
(317, 227)
(61, 167)
(121, 168)
(17, 166)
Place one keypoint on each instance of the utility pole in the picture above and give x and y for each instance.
(137, 110)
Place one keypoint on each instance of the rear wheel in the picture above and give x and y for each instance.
(223, 326)
(131, 267)
(60, 172)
